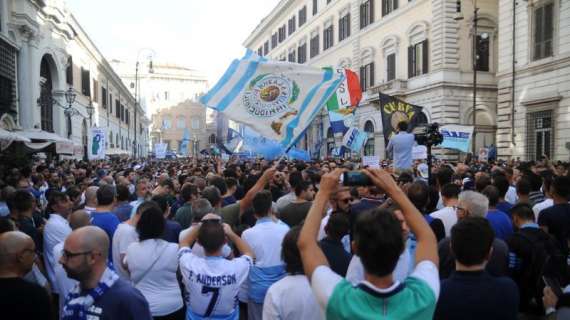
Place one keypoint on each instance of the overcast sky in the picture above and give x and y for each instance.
(201, 34)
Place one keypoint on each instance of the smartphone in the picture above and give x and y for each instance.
(554, 285)
(355, 178)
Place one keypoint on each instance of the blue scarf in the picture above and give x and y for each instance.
(77, 304)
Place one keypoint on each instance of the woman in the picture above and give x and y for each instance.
(152, 264)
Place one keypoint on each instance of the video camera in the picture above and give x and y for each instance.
(428, 134)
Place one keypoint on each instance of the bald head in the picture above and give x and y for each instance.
(90, 238)
(91, 196)
(12, 245)
(78, 219)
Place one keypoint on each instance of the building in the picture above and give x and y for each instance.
(44, 54)
(170, 124)
(534, 80)
(416, 50)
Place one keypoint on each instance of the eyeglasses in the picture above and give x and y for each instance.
(68, 255)
(347, 200)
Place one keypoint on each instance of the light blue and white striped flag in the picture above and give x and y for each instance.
(277, 99)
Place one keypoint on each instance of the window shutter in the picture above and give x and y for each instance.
(548, 29)
(371, 83)
(362, 13)
(395, 4)
(363, 78)
(538, 21)
(371, 10)
(348, 25)
(391, 67)
(425, 57)
(384, 4)
(410, 61)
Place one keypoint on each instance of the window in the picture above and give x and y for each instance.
(195, 124)
(85, 82)
(274, 40)
(344, 27)
(122, 112)
(181, 123)
(366, 13)
(367, 76)
(282, 34)
(117, 109)
(260, 51)
(369, 146)
(328, 37)
(127, 116)
(302, 16)
(315, 7)
(540, 140)
(389, 6)
(314, 46)
(266, 48)
(212, 139)
(292, 25)
(104, 97)
(302, 53)
(95, 91)
(391, 67)
(330, 141)
(110, 103)
(166, 122)
(482, 53)
(543, 31)
(418, 59)
(69, 71)
(292, 56)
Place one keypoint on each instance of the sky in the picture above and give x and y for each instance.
(201, 34)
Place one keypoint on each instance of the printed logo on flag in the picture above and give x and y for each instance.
(269, 95)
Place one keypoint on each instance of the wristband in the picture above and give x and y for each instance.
(550, 310)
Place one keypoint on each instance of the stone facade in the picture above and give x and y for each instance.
(444, 83)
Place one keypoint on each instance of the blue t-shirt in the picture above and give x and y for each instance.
(172, 230)
(501, 224)
(107, 221)
(505, 207)
(401, 146)
(121, 301)
(123, 211)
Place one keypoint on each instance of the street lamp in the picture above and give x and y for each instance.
(70, 96)
(137, 93)
(90, 110)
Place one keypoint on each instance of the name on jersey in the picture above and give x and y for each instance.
(213, 281)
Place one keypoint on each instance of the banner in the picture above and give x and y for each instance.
(483, 154)
(185, 142)
(96, 146)
(371, 161)
(456, 137)
(64, 147)
(419, 152)
(354, 139)
(277, 99)
(394, 111)
(160, 150)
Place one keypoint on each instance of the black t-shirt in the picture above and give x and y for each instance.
(21, 300)
(294, 213)
(557, 219)
(337, 257)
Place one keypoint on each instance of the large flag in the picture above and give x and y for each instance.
(233, 140)
(394, 111)
(185, 141)
(279, 100)
(456, 137)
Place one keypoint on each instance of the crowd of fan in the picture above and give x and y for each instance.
(213, 239)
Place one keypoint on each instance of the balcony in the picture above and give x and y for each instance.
(396, 87)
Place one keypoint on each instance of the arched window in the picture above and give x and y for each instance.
(212, 139)
(330, 141)
(46, 98)
(180, 122)
(369, 146)
(421, 118)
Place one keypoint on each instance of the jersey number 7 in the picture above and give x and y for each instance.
(212, 304)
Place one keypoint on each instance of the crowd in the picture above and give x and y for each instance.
(256, 239)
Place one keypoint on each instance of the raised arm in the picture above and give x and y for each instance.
(426, 242)
(241, 245)
(311, 254)
(245, 203)
(190, 238)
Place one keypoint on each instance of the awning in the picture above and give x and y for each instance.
(37, 134)
(7, 137)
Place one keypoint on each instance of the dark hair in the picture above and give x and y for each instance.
(6, 225)
(403, 126)
(211, 236)
(379, 241)
(167, 183)
(523, 211)
(444, 175)
(161, 201)
(492, 193)
(482, 182)
(301, 187)
(471, 240)
(21, 201)
(290, 252)
(200, 208)
(338, 225)
(56, 197)
(418, 193)
(187, 191)
(523, 186)
(73, 192)
(502, 184)
(123, 193)
(212, 194)
(561, 187)
(231, 182)
(295, 178)
(405, 177)
(219, 183)
(151, 224)
(450, 191)
(262, 203)
(105, 195)
(145, 205)
(535, 181)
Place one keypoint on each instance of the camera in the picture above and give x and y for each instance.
(428, 134)
(355, 179)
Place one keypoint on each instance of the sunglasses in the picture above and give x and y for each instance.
(347, 200)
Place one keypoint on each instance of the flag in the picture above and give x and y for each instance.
(185, 141)
(233, 140)
(456, 137)
(354, 139)
(279, 100)
(394, 111)
(340, 123)
(348, 95)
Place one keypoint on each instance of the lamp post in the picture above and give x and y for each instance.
(137, 93)
(90, 110)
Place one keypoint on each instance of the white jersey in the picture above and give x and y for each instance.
(291, 298)
(197, 248)
(212, 284)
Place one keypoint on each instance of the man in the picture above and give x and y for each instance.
(337, 227)
(377, 233)
(171, 228)
(55, 231)
(536, 196)
(294, 178)
(212, 282)
(473, 204)
(556, 219)
(471, 293)
(548, 202)
(265, 238)
(188, 193)
(500, 221)
(20, 299)
(502, 184)
(523, 191)
(400, 146)
(141, 194)
(100, 294)
(228, 197)
(447, 215)
(103, 217)
(123, 208)
(295, 212)
(91, 199)
(21, 206)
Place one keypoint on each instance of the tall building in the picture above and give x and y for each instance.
(415, 50)
(44, 54)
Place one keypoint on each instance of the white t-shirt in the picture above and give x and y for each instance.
(324, 280)
(197, 248)
(213, 283)
(55, 231)
(64, 284)
(122, 239)
(547, 203)
(159, 285)
(448, 217)
(291, 298)
(511, 196)
(265, 239)
(355, 271)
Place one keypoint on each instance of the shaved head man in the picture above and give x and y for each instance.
(84, 258)
(91, 199)
(20, 299)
